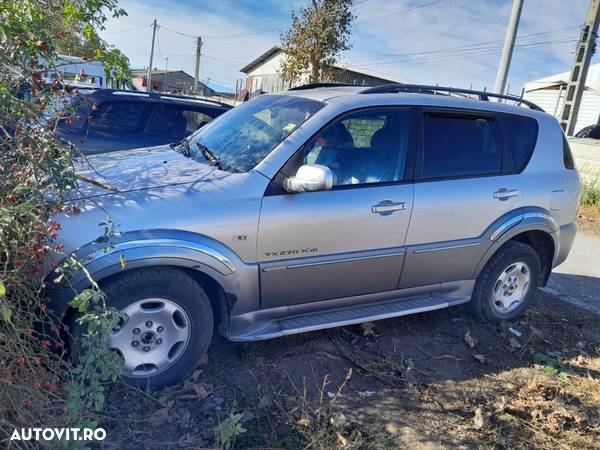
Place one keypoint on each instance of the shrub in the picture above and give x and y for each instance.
(590, 192)
(37, 385)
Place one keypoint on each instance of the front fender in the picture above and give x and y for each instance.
(134, 250)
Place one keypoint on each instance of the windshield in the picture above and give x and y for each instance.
(242, 137)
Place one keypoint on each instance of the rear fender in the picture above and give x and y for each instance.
(522, 220)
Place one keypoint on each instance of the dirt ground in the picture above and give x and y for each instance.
(413, 382)
(588, 220)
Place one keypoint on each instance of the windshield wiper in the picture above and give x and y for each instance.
(187, 151)
(209, 156)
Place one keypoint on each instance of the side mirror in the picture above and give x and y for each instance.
(310, 177)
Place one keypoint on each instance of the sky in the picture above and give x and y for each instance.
(445, 42)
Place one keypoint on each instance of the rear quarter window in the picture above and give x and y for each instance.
(568, 160)
(522, 134)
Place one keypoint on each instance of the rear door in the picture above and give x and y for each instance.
(348, 241)
(465, 180)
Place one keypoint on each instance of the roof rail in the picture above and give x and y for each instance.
(319, 85)
(159, 95)
(437, 90)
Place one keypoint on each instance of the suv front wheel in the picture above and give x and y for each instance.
(168, 325)
(506, 285)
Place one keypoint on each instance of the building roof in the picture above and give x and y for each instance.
(275, 50)
(592, 81)
(144, 72)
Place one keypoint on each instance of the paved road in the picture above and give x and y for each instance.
(577, 280)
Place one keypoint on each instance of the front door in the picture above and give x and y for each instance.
(348, 241)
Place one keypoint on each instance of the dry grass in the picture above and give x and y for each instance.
(407, 383)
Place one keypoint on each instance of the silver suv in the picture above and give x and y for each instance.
(323, 207)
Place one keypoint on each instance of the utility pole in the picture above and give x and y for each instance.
(197, 71)
(149, 75)
(586, 47)
(164, 87)
(509, 44)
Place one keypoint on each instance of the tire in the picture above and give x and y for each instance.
(507, 283)
(169, 326)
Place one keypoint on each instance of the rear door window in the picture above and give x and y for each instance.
(457, 146)
(120, 117)
(177, 122)
(522, 134)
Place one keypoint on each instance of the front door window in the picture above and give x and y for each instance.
(363, 148)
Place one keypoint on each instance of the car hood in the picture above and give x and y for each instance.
(145, 168)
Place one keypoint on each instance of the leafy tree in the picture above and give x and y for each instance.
(37, 177)
(319, 32)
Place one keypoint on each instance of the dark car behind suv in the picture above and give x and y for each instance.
(107, 120)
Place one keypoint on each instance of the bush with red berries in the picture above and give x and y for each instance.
(38, 386)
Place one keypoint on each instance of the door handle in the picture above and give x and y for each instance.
(505, 194)
(387, 207)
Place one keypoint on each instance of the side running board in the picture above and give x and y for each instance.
(347, 316)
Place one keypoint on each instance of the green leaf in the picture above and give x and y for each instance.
(5, 312)
(563, 375)
(122, 261)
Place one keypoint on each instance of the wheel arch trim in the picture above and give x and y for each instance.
(163, 247)
(530, 219)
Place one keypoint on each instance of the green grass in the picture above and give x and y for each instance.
(590, 192)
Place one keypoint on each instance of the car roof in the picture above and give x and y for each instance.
(157, 97)
(360, 96)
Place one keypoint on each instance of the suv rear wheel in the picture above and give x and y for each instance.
(168, 326)
(507, 283)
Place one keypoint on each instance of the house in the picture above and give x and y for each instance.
(73, 69)
(549, 93)
(263, 75)
(174, 81)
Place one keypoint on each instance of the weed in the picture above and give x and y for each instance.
(228, 430)
(590, 192)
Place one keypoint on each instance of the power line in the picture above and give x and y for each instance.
(178, 32)
(128, 29)
(475, 52)
(261, 44)
(459, 51)
(285, 25)
(395, 13)
(466, 46)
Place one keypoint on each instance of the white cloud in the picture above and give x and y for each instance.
(448, 24)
